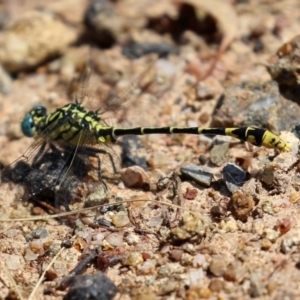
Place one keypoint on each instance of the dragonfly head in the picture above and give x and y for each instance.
(30, 121)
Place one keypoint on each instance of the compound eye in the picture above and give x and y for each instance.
(27, 126)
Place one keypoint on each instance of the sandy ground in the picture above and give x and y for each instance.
(167, 236)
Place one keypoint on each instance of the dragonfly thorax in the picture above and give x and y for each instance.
(71, 124)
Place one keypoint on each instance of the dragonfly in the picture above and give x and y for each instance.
(65, 140)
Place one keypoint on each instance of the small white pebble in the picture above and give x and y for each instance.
(13, 262)
(132, 239)
(115, 239)
(199, 260)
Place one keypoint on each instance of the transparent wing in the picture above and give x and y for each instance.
(111, 103)
(84, 176)
(63, 173)
(56, 169)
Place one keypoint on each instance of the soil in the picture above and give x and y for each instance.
(155, 230)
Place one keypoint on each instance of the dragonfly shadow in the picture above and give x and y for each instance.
(58, 177)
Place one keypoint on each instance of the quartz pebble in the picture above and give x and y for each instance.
(120, 219)
(115, 239)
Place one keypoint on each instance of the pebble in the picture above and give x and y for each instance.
(258, 227)
(37, 233)
(194, 277)
(29, 255)
(199, 260)
(80, 243)
(12, 232)
(253, 103)
(163, 183)
(190, 194)
(218, 211)
(99, 196)
(36, 246)
(284, 225)
(192, 226)
(54, 249)
(241, 205)
(218, 154)
(115, 239)
(228, 226)
(270, 234)
(168, 287)
(218, 266)
(265, 244)
(82, 231)
(168, 269)
(13, 261)
(120, 219)
(234, 177)
(189, 248)
(131, 238)
(87, 287)
(290, 244)
(107, 259)
(234, 272)
(176, 254)
(198, 292)
(294, 197)
(106, 246)
(282, 66)
(51, 275)
(33, 38)
(133, 259)
(99, 236)
(201, 175)
(186, 259)
(104, 222)
(66, 243)
(268, 207)
(216, 285)
(267, 175)
(155, 221)
(148, 267)
(135, 177)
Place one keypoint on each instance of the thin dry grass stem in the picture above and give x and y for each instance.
(11, 279)
(31, 296)
(78, 211)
